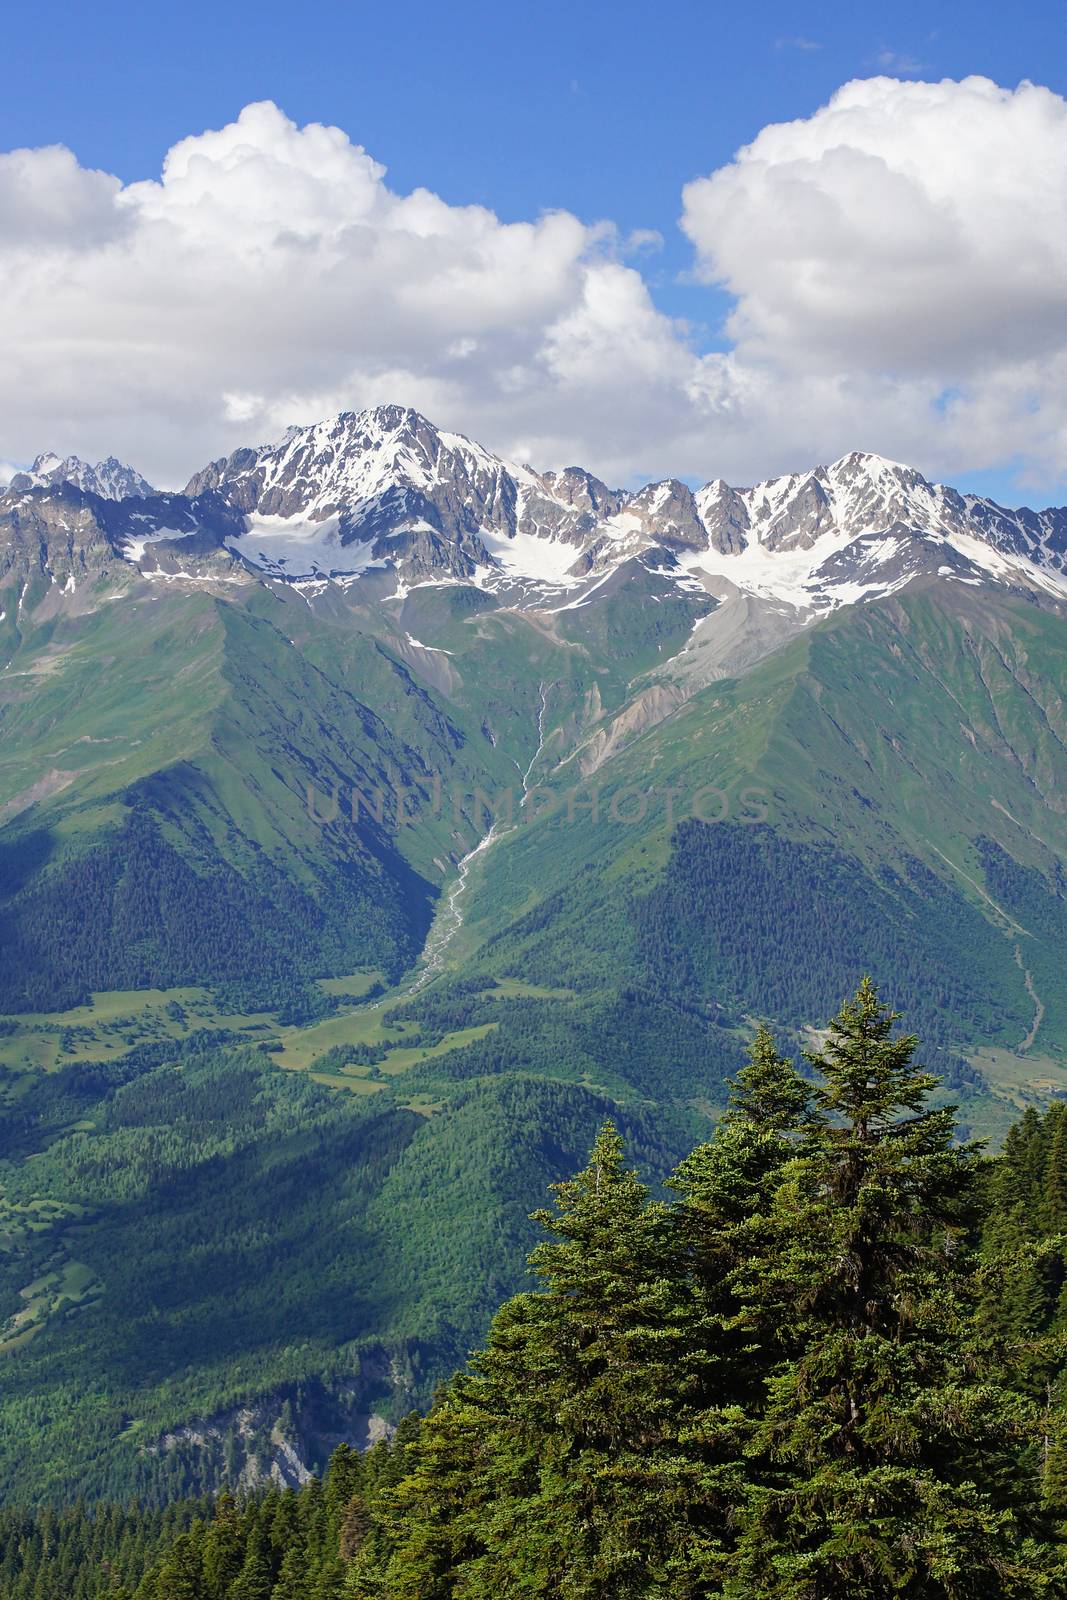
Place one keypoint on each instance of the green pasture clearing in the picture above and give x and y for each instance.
(352, 987)
(70, 1285)
(18, 1218)
(400, 1060)
(116, 1020)
(113, 1022)
(338, 1080)
(517, 989)
(1021, 1080)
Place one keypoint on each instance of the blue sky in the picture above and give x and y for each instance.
(604, 110)
(601, 111)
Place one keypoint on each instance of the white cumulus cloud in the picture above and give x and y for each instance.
(271, 276)
(902, 254)
(897, 264)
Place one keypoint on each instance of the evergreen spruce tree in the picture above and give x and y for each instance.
(1021, 1306)
(728, 1187)
(316, 1523)
(1013, 1302)
(1022, 1317)
(285, 1522)
(344, 1478)
(888, 1465)
(427, 1533)
(575, 1475)
(292, 1580)
(1021, 1166)
(1054, 1186)
(223, 1549)
(1054, 1453)
(733, 1177)
(180, 1575)
(255, 1580)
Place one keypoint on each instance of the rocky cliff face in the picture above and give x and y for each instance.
(58, 540)
(283, 1438)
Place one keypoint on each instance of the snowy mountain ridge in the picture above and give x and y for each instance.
(110, 479)
(385, 488)
(382, 495)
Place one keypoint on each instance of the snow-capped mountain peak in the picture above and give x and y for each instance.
(866, 525)
(347, 461)
(110, 479)
(363, 487)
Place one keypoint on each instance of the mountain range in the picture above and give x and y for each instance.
(384, 496)
(484, 799)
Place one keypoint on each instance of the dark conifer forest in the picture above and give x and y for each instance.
(826, 1363)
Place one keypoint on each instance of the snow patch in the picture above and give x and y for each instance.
(187, 577)
(134, 548)
(774, 574)
(294, 547)
(437, 650)
(528, 556)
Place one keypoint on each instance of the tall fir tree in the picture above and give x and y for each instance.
(1023, 1308)
(575, 1435)
(887, 1464)
(180, 1576)
(255, 1580)
(223, 1549)
(727, 1188)
(1054, 1218)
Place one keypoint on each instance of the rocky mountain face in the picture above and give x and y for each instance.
(58, 539)
(861, 498)
(282, 1438)
(386, 497)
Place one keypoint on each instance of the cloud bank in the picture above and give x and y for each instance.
(897, 264)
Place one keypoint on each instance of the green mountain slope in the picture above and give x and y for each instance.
(891, 756)
(203, 1229)
(169, 837)
(192, 1224)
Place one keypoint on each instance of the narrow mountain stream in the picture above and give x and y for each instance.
(1039, 1004)
(449, 918)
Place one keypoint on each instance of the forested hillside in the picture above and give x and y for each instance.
(186, 1237)
(830, 1364)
